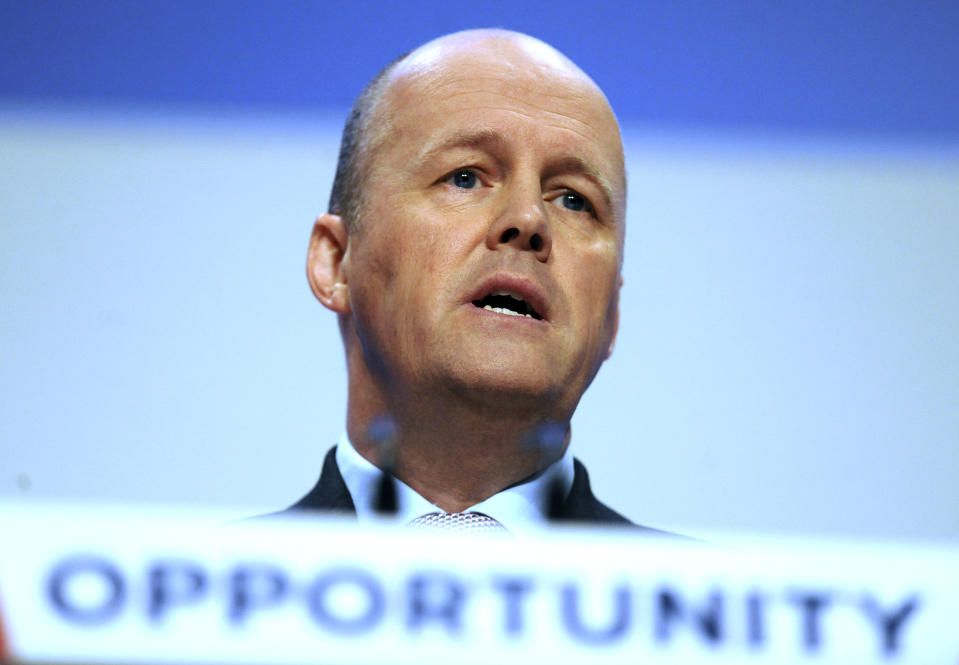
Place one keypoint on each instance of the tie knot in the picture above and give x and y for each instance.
(457, 523)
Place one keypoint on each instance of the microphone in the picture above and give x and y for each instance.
(549, 438)
(382, 432)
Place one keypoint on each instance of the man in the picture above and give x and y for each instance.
(473, 255)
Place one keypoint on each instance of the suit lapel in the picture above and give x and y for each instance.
(582, 506)
(330, 491)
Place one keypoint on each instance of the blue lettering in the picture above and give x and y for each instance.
(811, 604)
(435, 597)
(253, 586)
(329, 617)
(514, 590)
(889, 623)
(755, 625)
(88, 566)
(618, 626)
(173, 583)
(708, 620)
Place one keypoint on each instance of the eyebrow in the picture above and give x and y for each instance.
(479, 138)
(490, 138)
(576, 164)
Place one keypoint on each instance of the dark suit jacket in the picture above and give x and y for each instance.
(580, 506)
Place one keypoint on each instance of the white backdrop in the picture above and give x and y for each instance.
(787, 359)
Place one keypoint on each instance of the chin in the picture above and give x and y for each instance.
(511, 388)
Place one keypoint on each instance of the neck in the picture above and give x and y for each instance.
(453, 452)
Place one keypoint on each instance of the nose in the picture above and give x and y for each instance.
(522, 223)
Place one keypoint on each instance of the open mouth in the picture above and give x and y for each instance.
(509, 303)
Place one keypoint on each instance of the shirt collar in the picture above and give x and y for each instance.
(518, 508)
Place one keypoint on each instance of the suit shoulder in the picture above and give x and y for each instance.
(583, 506)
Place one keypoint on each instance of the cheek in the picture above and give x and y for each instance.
(596, 287)
(439, 253)
(401, 277)
(594, 262)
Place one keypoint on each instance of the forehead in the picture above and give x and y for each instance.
(529, 95)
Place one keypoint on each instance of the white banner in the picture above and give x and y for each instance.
(94, 586)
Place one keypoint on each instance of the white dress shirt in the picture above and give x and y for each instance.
(519, 508)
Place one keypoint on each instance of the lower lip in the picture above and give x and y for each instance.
(527, 320)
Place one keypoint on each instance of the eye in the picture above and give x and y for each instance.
(464, 179)
(575, 201)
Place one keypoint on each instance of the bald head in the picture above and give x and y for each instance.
(522, 51)
(486, 56)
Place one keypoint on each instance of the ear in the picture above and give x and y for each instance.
(612, 340)
(326, 263)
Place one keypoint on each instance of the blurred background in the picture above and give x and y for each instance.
(788, 358)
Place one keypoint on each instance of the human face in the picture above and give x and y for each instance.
(499, 178)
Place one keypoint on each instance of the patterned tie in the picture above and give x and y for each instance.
(460, 523)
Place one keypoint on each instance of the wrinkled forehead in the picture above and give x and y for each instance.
(459, 69)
